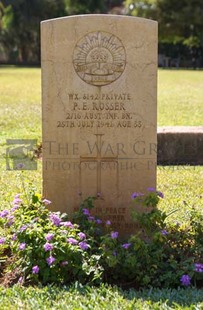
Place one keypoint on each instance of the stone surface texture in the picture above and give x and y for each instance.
(99, 93)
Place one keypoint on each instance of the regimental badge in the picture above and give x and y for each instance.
(99, 58)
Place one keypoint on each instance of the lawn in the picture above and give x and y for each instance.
(20, 110)
(180, 98)
(20, 100)
(80, 297)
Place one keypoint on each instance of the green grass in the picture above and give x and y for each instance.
(180, 98)
(104, 297)
(20, 110)
(182, 186)
(20, 103)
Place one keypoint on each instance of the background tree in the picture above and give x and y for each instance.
(180, 22)
(74, 7)
(144, 8)
(1, 13)
(21, 23)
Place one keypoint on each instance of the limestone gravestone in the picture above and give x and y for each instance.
(99, 88)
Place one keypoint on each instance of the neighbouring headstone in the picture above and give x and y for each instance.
(99, 93)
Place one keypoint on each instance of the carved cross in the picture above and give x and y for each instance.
(98, 159)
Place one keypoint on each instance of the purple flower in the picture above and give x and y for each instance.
(185, 280)
(72, 241)
(114, 234)
(64, 263)
(98, 195)
(114, 253)
(35, 269)
(22, 228)
(22, 246)
(135, 195)
(2, 240)
(48, 247)
(10, 220)
(151, 189)
(50, 260)
(126, 245)
(91, 218)
(17, 200)
(14, 237)
(4, 213)
(98, 221)
(199, 267)
(108, 222)
(49, 237)
(17, 196)
(55, 219)
(67, 224)
(81, 235)
(20, 280)
(164, 232)
(83, 245)
(86, 211)
(20, 166)
(15, 207)
(46, 202)
(160, 194)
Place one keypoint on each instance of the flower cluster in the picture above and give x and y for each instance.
(2, 240)
(135, 195)
(150, 199)
(114, 234)
(199, 267)
(35, 269)
(185, 280)
(152, 189)
(126, 245)
(49, 237)
(56, 243)
(9, 214)
(51, 248)
(55, 219)
(48, 247)
(91, 218)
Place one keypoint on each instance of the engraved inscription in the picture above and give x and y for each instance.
(99, 58)
(103, 110)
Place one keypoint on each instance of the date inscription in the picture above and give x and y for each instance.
(102, 110)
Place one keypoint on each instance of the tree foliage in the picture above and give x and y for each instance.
(21, 22)
(144, 8)
(179, 21)
(74, 7)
